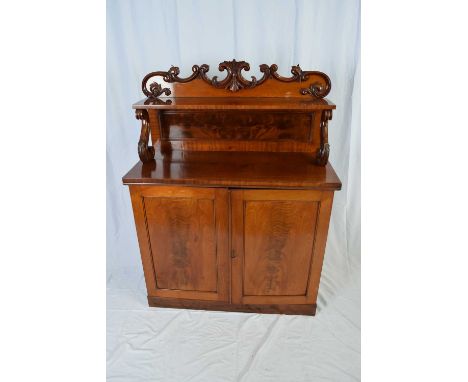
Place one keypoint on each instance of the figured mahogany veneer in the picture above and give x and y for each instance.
(237, 170)
(231, 125)
(233, 194)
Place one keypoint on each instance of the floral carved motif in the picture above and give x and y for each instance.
(234, 80)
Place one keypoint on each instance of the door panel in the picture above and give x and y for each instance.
(182, 233)
(183, 239)
(276, 245)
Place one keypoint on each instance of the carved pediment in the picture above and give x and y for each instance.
(235, 81)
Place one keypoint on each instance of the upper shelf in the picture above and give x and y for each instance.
(234, 103)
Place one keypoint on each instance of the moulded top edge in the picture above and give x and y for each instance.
(233, 103)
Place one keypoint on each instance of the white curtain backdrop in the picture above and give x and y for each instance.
(148, 344)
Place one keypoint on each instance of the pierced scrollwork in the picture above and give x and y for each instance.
(324, 151)
(157, 101)
(298, 74)
(145, 152)
(315, 89)
(234, 80)
(156, 90)
(172, 75)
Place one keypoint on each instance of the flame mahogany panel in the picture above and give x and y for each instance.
(277, 241)
(238, 131)
(273, 126)
(183, 237)
(242, 130)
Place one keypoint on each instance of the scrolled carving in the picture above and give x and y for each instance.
(324, 151)
(297, 74)
(316, 89)
(156, 90)
(145, 152)
(157, 101)
(234, 80)
(172, 75)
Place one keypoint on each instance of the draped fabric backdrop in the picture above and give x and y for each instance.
(146, 344)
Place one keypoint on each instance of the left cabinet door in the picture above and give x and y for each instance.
(183, 237)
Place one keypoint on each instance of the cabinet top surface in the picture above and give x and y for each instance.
(235, 169)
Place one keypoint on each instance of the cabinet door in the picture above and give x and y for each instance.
(278, 242)
(184, 244)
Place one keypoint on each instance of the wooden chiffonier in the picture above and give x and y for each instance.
(232, 197)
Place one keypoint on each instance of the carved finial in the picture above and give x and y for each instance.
(234, 80)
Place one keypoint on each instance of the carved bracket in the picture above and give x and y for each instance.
(145, 152)
(234, 80)
(324, 151)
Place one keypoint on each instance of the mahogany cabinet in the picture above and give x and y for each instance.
(232, 200)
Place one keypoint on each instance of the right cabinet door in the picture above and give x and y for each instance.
(277, 245)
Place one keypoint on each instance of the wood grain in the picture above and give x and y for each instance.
(291, 309)
(182, 236)
(242, 130)
(273, 237)
(274, 126)
(226, 169)
(235, 103)
(145, 151)
(183, 233)
(239, 131)
(326, 202)
(277, 246)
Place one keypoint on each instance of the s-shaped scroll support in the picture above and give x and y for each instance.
(324, 150)
(145, 152)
